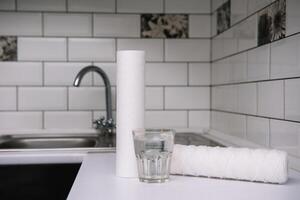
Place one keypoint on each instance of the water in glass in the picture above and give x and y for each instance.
(153, 149)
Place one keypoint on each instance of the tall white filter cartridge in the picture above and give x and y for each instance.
(130, 108)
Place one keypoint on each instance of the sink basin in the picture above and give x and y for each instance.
(37, 143)
(58, 141)
(48, 141)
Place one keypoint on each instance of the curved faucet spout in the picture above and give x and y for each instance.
(106, 81)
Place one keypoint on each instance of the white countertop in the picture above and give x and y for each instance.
(96, 180)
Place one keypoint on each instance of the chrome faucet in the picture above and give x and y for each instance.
(102, 123)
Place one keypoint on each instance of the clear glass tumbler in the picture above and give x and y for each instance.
(153, 150)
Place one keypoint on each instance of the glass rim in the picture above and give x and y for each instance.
(136, 132)
(153, 130)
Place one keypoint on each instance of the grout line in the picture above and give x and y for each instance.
(251, 115)
(109, 37)
(269, 134)
(256, 81)
(17, 98)
(188, 74)
(43, 74)
(68, 98)
(92, 25)
(105, 61)
(164, 50)
(164, 98)
(188, 118)
(101, 12)
(67, 49)
(43, 119)
(284, 99)
(92, 118)
(270, 64)
(257, 99)
(99, 110)
(116, 6)
(211, 70)
(246, 126)
(116, 49)
(43, 23)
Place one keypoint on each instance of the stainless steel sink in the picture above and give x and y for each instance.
(62, 141)
(49, 141)
(37, 143)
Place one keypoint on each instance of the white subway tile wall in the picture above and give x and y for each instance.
(293, 16)
(42, 49)
(62, 74)
(140, 6)
(292, 98)
(264, 84)
(238, 10)
(158, 74)
(68, 120)
(154, 47)
(258, 63)
(8, 98)
(21, 73)
(199, 26)
(57, 38)
(199, 119)
(199, 74)
(91, 5)
(89, 98)
(187, 98)
(112, 25)
(41, 5)
(167, 119)
(21, 23)
(91, 49)
(187, 6)
(21, 120)
(258, 130)
(154, 98)
(42, 98)
(58, 24)
(188, 50)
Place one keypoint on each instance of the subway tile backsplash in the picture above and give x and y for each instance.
(58, 24)
(21, 23)
(265, 84)
(42, 49)
(91, 49)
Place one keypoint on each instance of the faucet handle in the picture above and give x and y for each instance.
(99, 122)
(104, 123)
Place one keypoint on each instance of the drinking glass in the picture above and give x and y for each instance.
(153, 150)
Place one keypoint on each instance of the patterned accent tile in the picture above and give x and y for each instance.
(164, 26)
(8, 48)
(223, 17)
(272, 22)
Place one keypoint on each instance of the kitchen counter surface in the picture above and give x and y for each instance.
(96, 180)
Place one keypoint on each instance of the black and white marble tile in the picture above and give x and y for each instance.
(223, 17)
(272, 22)
(164, 26)
(8, 48)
